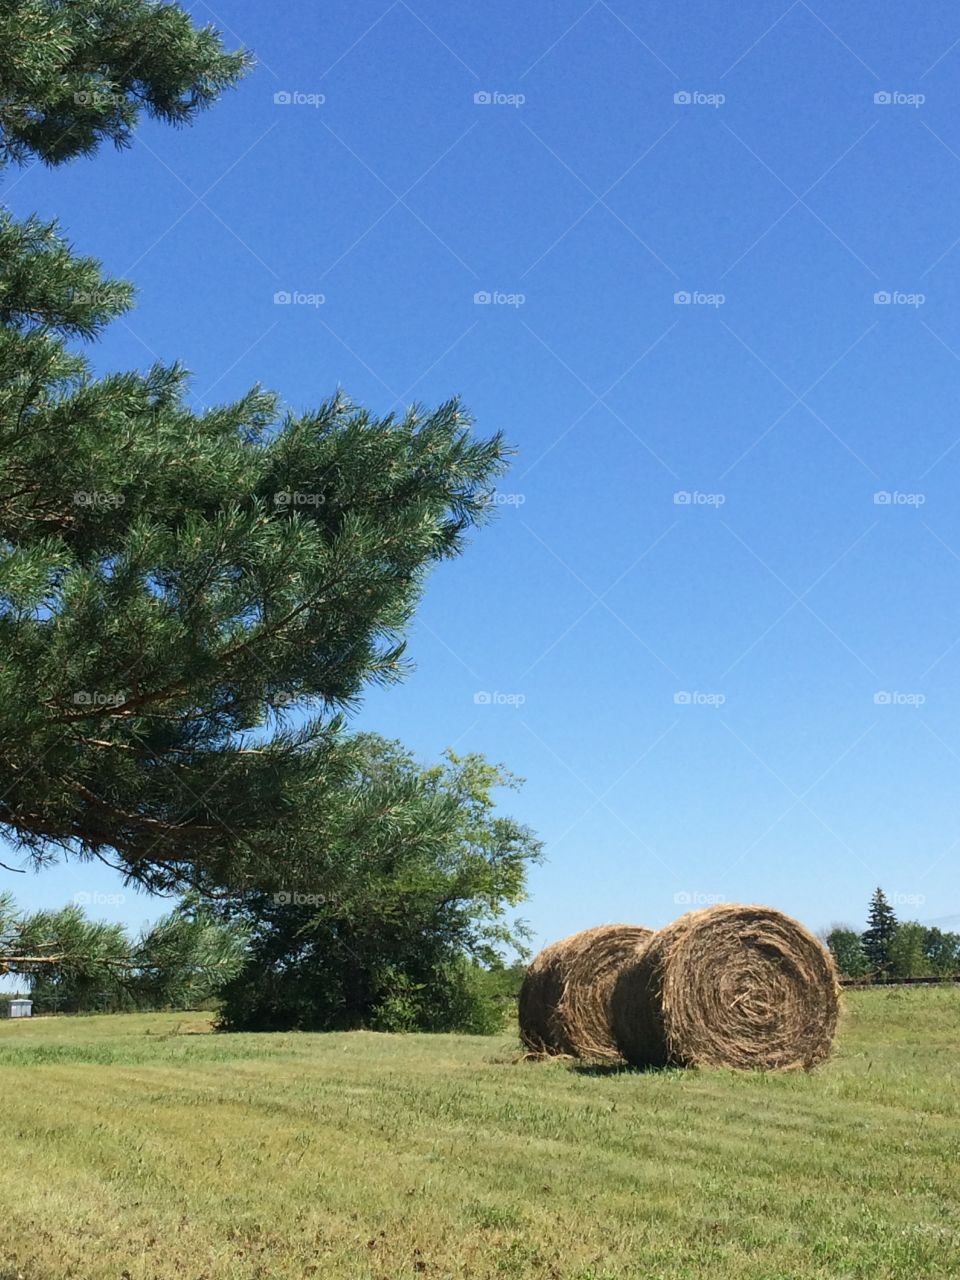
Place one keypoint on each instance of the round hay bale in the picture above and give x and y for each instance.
(729, 986)
(594, 962)
(541, 992)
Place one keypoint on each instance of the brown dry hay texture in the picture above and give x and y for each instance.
(729, 986)
(541, 1028)
(594, 963)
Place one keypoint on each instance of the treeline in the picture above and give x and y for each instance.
(890, 949)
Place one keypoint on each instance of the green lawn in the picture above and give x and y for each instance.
(142, 1146)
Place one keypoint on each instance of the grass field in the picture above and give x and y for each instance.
(143, 1146)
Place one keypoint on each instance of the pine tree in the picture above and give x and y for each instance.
(74, 964)
(74, 73)
(174, 586)
(878, 936)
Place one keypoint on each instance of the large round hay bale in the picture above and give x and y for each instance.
(541, 1029)
(594, 962)
(729, 986)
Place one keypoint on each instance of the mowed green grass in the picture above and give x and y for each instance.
(143, 1146)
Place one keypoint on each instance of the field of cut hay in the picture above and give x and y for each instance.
(142, 1147)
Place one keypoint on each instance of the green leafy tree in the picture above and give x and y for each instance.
(943, 952)
(877, 937)
(846, 948)
(907, 953)
(74, 73)
(407, 921)
(175, 586)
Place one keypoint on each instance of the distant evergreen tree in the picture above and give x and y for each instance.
(879, 933)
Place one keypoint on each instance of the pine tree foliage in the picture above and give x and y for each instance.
(879, 933)
(74, 73)
(71, 961)
(189, 601)
(173, 585)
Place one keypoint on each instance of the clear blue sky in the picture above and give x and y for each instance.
(782, 599)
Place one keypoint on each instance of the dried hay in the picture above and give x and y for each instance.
(594, 963)
(729, 986)
(541, 1028)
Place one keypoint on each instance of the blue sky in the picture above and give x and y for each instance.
(721, 247)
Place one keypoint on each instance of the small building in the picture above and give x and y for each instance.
(21, 1008)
